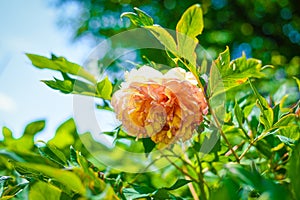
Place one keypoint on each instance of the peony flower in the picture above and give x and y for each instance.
(166, 107)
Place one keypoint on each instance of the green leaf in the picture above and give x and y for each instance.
(67, 178)
(287, 141)
(34, 127)
(294, 171)
(73, 156)
(144, 17)
(290, 131)
(161, 194)
(65, 86)
(148, 145)
(13, 190)
(60, 64)
(179, 183)
(44, 191)
(26, 142)
(298, 82)
(70, 85)
(51, 152)
(139, 18)
(164, 37)
(131, 193)
(65, 135)
(266, 116)
(232, 73)
(238, 114)
(7, 134)
(189, 26)
(285, 120)
(191, 22)
(104, 89)
(3, 183)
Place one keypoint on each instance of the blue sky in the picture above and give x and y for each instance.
(30, 26)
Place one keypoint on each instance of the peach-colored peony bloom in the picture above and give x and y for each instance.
(164, 107)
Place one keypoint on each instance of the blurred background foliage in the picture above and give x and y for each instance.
(266, 30)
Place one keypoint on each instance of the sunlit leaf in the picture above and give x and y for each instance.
(238, 114)
(232, 73)
(140, 18)
(266, 116)
(70, 85)
(65, 135)
(34, 127)
(191, 22)
(104, 88)
(298, 82)
(51, 152)
(67, 178)
(44, 191)
(164, 37)
(26, 141)
(60, 64)
(285, 120)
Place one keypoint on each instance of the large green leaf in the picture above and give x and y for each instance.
(164, 37)
(26, 141)
(188, 27)
(65, 135)
(191, 22)
(228, 74)
(51, 152)
(44, 191)
(67, 178)
(60, 64)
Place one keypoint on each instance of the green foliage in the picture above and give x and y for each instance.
(60, 64)
(140, 18)
(294, 171)
(254, 148)
(233, 73)
(89, 86)
(104, 88)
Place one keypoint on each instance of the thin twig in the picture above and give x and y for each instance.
(181, 170)
(251, 144)
(200, 176)
(223, 134)
(190, 185)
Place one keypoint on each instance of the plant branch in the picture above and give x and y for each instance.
(223, 134)
(181, 170)
(261, 136)
(200, 175)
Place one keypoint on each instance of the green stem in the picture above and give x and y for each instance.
(251, 144)
(201, 177)
(218, 125)
(181, 170)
